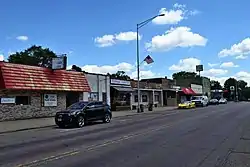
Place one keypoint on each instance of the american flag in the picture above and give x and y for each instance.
(149, 59)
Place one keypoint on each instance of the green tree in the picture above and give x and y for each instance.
(215, 85)
(35, 56)
(76, 68)
(230, 82)
(242, 84)
(184, 75)
(120, 75)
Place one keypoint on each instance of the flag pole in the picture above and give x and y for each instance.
(138, 68)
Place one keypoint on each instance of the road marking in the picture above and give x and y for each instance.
(90, 148)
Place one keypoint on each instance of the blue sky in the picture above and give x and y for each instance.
(100, 35)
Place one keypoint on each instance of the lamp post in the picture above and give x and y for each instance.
(138, 26)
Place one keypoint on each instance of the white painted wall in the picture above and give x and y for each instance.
(197, 88)
(98, 84)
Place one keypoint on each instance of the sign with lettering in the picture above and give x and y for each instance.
(119, 82)
(196, 88)
(50, 100)
(8, 100)
(59, 63)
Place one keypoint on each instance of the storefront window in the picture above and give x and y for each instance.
(144, 98)
(123, 99)
(22, 100)
(157, 98)
(93, 96)
(135, 98)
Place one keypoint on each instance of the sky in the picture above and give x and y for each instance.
(100, 36)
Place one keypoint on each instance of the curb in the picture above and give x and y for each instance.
(49, 126)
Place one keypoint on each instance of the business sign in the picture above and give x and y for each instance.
(231, 87)
(50, 100)
(8, 100)
(196, 88)
(59, 63)
(199, 68)
(119, 82)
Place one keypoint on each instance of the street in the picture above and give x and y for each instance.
(205, 137)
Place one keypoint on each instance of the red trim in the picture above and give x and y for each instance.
(188, 91)
(24, 77)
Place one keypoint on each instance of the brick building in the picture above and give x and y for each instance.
(28, 91)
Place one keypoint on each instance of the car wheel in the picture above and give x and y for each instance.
(80, 121)
(107, 118)
(61, 126)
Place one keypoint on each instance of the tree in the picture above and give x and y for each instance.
(120, 75)
(35, 56)
(230, 82)
(215, 85)
(242, 84)
(76, 68)
(184, 75)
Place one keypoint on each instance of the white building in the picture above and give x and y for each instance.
(100, 88)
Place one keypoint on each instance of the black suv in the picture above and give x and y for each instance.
(82, 112)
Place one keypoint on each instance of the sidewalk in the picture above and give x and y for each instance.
(20, 125)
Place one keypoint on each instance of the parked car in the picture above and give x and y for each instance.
(186, 104)
(213, 102)
(200, 101)
(80, 113)
(223, 101)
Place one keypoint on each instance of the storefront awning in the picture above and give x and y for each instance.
(188, 91)
(123, 89)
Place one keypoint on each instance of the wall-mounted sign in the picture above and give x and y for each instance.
(59, 63)
(196, 88)
(119, 82)
(8, 100)
(50, 100)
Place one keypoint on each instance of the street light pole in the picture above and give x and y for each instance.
(138, 26)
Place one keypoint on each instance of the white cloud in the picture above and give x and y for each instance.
(22, 38)
(1, 57)
(106, 40)
(228, 64)
(173, 16)
(188, 64)
(109, 40)
(241, 57)
(214, 72)
(240, 49)
(108, 68)
(176, 37)
(144, 74)
(212, 64)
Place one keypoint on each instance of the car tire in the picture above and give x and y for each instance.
(106, 118)
(61, 126)
(80, 122)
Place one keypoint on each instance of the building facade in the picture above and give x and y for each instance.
(100, 88)
(33, 92)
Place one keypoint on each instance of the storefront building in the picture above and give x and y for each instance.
(100, 87)
(120, 94)
(151, 93)
(32, 92)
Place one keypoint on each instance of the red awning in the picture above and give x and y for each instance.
(24, 77)
(188, 91)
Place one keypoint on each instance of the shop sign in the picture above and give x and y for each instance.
(50, 100)
(119, 82)
(196, 88)
(8, 100)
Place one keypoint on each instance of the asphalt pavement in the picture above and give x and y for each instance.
(204, 137)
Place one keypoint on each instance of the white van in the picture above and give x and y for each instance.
(201, 101)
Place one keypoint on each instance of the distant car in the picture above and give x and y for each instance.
(223, 101)
(80, 113)
(213, 102)
(186, 104)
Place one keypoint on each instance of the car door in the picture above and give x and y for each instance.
(90, 111)
(99, 110)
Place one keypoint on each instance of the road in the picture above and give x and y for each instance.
(204, 137)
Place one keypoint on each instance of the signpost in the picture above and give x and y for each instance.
(59, 63)
(199, 68)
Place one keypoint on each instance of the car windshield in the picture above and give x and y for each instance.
(186, 102)
(196, 98)
(78, 105)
